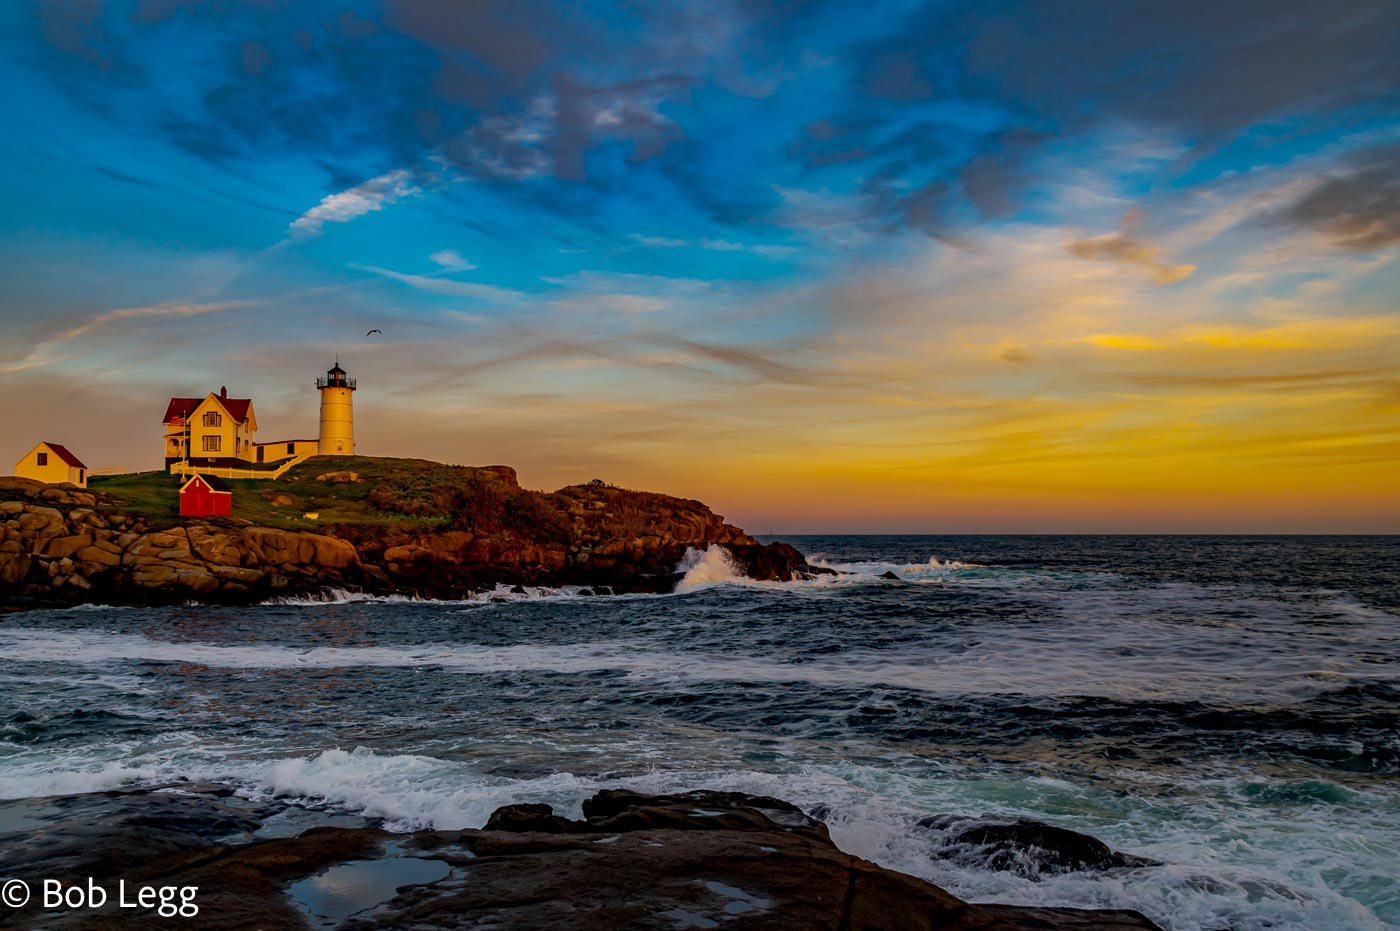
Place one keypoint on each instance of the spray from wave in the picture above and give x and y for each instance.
(706, 568)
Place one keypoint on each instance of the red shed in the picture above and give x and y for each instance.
(205, 496)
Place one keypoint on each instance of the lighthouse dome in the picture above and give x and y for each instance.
(335, 378)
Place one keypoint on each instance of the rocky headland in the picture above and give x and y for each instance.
(696, 860)
(427, 531)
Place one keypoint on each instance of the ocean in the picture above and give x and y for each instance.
(1229, 706)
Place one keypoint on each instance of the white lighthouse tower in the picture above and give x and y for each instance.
(337, 416)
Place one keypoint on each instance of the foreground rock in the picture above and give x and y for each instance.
(63, 546)
(1030, 848)
(698, 860)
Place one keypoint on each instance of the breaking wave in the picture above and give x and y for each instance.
(707, 568)
(871, 813)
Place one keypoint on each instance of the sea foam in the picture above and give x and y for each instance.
(707, 568)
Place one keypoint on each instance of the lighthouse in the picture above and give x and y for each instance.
(337, 425)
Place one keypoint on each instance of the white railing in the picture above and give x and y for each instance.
(184, 468)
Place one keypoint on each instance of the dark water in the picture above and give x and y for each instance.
(1227, 705)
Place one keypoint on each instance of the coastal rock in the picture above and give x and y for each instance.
(775, 562)
(57, 494)
(70, 547)
(108, 833)
(49, 556)
(503, 472)
(532, 818)
(1028, 848)
(694, 860)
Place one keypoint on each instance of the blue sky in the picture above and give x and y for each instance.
(939, 266)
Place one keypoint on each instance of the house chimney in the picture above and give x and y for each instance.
(223, 392)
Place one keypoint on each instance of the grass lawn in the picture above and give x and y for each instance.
(284, 501)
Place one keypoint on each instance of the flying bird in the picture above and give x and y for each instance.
(372, 332)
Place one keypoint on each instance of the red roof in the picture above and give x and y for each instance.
(63, 453)
(212, 482)
(183, 407)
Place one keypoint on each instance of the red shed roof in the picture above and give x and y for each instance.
(213, 481)
(63, 453)
(183, 407)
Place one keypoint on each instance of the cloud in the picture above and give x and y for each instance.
(449, 286)
(715, 245)
(659, 242)
(43, 352)
(1358, 209)
(950, 112)
(1315, 335)
(759, 249)
(372, 195)
(1260, 380)
(451, 260)
(1123, 247)
(926, 115)
(761, 366)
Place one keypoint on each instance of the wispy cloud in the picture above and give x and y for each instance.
(659, 242)
(451, 260)
(1357, 209)
(46, 351)
(449, 286)
(763, 250)
(463, 317)
(372, 195)
(1124, 247)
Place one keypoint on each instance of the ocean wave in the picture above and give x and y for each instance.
(713, 567)
(1158, 668)
(500, 594)
(874, 569)
(1210, 878)
(46, 780)
(340, 596)
(707, 568)
(701, 569)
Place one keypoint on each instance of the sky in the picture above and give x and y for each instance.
(910, 267)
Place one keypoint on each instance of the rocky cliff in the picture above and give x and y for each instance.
(61, 545)
(697, 860)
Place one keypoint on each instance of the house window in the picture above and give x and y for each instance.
(80, 476)
(43, 459)
(211, 443)
(291, 448)
(213, 419)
